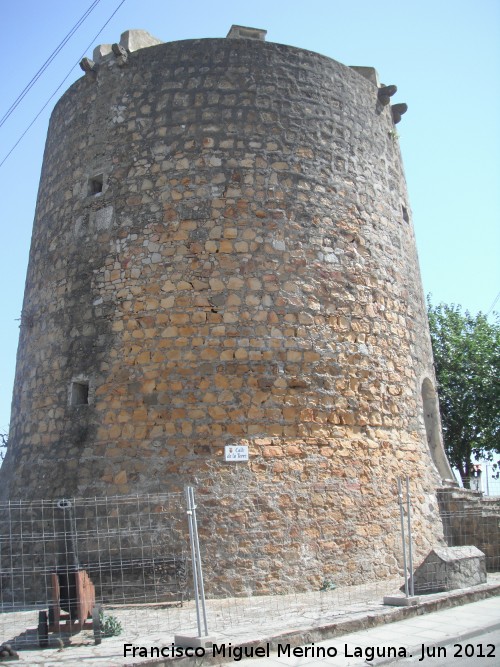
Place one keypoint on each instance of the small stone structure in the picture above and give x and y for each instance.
(223, 255)
(448, 568)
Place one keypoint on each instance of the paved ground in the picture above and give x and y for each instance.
(288, 620)
(417, 637)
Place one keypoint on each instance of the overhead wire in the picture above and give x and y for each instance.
(59, 86)
(42, 69)
(493, 304)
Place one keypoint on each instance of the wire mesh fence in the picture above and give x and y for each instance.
(136, 553)
(62, 561)
(485, 478)
(268, 530)
(469, 519)
(470, 547)
(134, 548)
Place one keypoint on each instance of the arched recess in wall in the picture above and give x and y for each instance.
(433, 431)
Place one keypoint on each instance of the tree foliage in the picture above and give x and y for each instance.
(467, 360)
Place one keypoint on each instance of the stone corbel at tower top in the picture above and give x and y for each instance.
(385, 93)
(397, 111)
(130, 41)
(88, 66)
(121, 54)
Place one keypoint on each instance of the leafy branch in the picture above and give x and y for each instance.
(466, 352)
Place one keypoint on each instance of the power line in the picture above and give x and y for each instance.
(58, 87)
(493, 304)
(42, 69)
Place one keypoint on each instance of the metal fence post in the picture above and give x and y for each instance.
(401, 516)
(410, 546)
(199, 589)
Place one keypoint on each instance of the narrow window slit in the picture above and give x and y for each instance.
(79, 393)
(96, 184)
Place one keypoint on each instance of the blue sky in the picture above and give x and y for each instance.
(443, 55)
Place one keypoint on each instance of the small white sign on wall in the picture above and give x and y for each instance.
(236, 453)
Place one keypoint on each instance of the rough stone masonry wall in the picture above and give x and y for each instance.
(248, 275)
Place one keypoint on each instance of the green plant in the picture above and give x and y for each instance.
(110, 625)
(393, 134)
(328, 585)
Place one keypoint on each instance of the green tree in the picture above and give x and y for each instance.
(467, 360)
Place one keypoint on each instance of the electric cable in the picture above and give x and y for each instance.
(42, 69)
(493, 304)
(59, 87)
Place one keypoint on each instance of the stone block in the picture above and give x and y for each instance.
(369, 73)
(192, 641)
(133, 40)
(101, 51)
(243, 32)
(400, 601)
(102, 219)
(449, 568)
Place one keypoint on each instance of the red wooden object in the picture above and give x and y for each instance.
(83, 604)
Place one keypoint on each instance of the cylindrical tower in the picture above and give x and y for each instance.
(223, 254)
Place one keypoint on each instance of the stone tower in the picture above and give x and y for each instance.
(223, 254)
